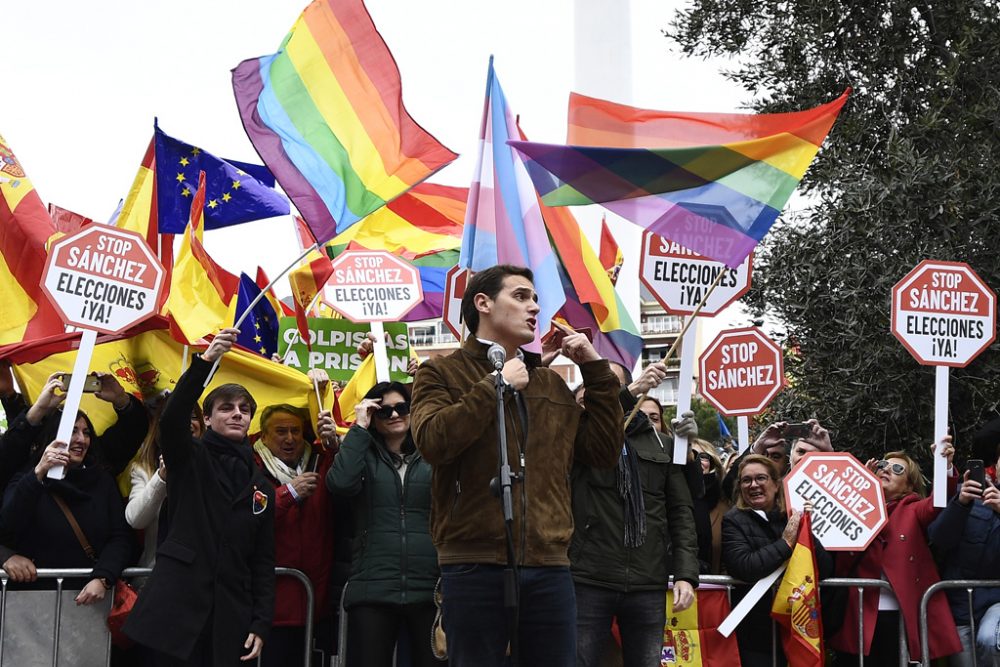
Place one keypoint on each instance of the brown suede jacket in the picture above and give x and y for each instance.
(454, 425)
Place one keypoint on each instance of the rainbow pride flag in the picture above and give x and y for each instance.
(422, 221)
(326, 115)
(591, 299)
(503, 222)
(714, 183)
(422, 226)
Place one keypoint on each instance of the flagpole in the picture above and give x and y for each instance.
(319, 399)
(677, 341)
(243, 316)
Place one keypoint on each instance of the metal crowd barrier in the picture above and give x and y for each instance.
(968, 585)
(861, 584)
(59, 575)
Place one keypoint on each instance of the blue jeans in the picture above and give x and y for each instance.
(986, 642)
(476, 623)
(641, 616)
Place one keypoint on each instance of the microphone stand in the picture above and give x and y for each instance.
(505, 492)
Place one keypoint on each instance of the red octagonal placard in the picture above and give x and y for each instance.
(454, 289)
(679, 278)
(103, 278)
(847, 499)
(741, 371)
(372, 286)
(944, 313)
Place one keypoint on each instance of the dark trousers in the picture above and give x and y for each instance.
(285, 645)
(372, 631)
(885, 643)
(641, 616)
(477, 625)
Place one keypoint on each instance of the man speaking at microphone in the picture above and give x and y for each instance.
(454, 424)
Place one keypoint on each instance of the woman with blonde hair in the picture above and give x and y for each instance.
(148, 476)
(709, 508)
(757, 537)
(901, 555)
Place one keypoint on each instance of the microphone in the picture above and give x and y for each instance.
(497, 356)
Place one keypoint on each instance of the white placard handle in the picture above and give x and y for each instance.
(743, 433)
(684, 388)
(380, 352)
(941, 376)
(73, 395)
(748, 602)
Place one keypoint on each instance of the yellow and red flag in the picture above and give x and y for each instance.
(363, 379)
(200, 289)
(25, 227)
(147, 361)
(691, 637)
(611, 254)
(139, 212)
(307, 281)
(796, 606)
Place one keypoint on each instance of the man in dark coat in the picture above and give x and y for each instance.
(639, 517)
(211, 593)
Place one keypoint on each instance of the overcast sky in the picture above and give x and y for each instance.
(82, 82)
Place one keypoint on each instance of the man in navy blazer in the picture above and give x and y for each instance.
(210, 598)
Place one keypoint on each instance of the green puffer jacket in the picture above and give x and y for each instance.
(393, 559)
(598, 555)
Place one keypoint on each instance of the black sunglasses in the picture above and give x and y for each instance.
(385, 412)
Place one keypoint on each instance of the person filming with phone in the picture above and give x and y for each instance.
(786, 443)
(967, 534)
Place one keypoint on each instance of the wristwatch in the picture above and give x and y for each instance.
(104, 582)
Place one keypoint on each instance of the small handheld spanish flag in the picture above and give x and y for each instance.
(796, 605)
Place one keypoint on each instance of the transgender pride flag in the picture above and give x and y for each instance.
(503, 223)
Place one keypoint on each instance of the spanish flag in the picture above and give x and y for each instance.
(307, 281)
(796, 605)
(200, 289)
(352, 393)
(25, 228)
(147, 362)
(691, 637)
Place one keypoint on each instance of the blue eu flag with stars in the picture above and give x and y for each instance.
(232, 194)
(259, 331)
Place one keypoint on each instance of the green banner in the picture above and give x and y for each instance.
(335, 347)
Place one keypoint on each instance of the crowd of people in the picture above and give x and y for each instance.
(584, 529)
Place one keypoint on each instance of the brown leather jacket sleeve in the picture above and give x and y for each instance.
(601, 433)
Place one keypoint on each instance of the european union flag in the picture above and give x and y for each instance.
(232, 194)
(259, 331)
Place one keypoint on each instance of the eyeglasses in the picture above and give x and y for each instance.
(894, 468)
(704, 456)
(776, 456)
(385, 412)
(761, 480)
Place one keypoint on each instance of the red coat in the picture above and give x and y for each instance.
(900, 550)
(303, 539)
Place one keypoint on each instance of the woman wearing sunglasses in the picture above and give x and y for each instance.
(394, 564)
(899, 554)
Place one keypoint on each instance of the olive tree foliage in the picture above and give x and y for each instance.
(910, 171)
